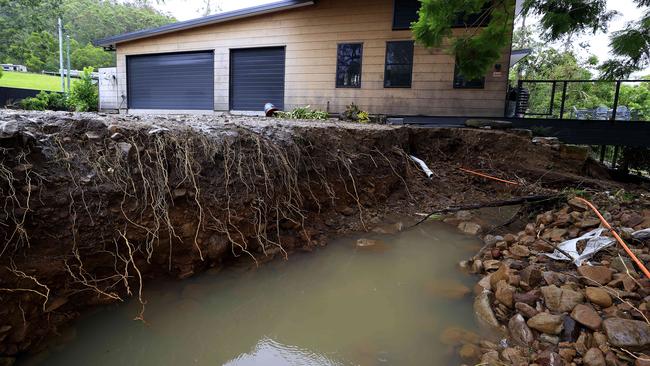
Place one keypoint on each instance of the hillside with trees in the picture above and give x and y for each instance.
(28, 29)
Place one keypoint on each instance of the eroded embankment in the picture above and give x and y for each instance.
(95, 206)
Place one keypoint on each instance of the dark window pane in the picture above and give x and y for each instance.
(461, 83)
(480, 19)
(399, 64)
(348, 68)
(405, 13)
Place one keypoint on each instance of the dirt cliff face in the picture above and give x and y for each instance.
(95, 206)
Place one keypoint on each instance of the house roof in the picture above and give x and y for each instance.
(110, 42)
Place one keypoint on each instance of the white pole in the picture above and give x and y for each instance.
(61, 56)
(67, 43)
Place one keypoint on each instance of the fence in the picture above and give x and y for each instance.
(619, 100)
(12, 95)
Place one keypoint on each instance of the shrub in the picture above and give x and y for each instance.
(44, 100)
(354, 113)
(84, 95)
(303, 113)
(36, 103)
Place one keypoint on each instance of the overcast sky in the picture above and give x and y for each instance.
(599, 43)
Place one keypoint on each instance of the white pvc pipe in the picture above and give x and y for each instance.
(423, 165)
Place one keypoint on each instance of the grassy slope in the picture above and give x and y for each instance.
(24, 80)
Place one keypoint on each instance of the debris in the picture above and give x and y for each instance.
(595, 243)
(423, 165)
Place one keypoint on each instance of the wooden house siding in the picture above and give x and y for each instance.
(310, 35)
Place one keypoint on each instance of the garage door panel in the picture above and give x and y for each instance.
(256, 78)
(183, 81)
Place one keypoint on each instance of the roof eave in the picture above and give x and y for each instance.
(111, 42)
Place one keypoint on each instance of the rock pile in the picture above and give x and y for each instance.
(549, 312)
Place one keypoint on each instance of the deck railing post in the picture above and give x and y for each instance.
(550, 112)
(564, 87)
(616, 94)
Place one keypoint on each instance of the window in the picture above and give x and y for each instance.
(461, 83)
(405, 12)
(480, 19)
(399, 64)
(348, 65)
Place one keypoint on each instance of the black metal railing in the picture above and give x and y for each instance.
(531, 87)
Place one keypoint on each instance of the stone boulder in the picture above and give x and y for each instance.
(626, 333)
(519, 331)
(587, 316)
(598, 274)
(561, 300)
(598, 296)
(483, 310)
(546, 323)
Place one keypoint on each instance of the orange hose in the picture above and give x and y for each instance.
(618, 238)
(489, 177)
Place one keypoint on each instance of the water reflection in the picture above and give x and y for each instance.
(341, 305)
(271, 353)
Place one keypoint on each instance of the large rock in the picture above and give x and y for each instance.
(526, 310)
(519, 251)
(546, 323)
(470, 228)
(502, 274)
(505, 293)
(625, 333)
(587, 316)
(598, 274)
(594, 357)
(8, 129)
(531, 276)
(598, 296)
(519, 331)
(561, 300)
(483, 310)
(549, 358)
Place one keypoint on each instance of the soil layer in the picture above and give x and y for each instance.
(95, 206)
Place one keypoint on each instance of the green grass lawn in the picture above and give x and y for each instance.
(23, 80)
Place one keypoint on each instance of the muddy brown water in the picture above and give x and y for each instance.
(340, 305)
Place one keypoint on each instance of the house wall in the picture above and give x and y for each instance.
(311, 35)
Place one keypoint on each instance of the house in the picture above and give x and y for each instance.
(323, 53)
(12, 67)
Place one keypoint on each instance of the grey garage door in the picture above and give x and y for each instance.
(171, 81)
(256, 78)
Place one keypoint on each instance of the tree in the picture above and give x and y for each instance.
(90, 55)
(28, 26)
(477, 49)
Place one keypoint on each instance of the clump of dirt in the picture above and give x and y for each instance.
(94, 206)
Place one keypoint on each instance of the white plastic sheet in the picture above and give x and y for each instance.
(595, 243)
(424, 166)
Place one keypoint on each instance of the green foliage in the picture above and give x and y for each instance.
(44, 100)
(28, 29)
(559, 18)
(90, 55)
(34, 104)
(475, 51)
(84, 95)
(303, 113)
(354, 113)
(631, 47)
(364, 117)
